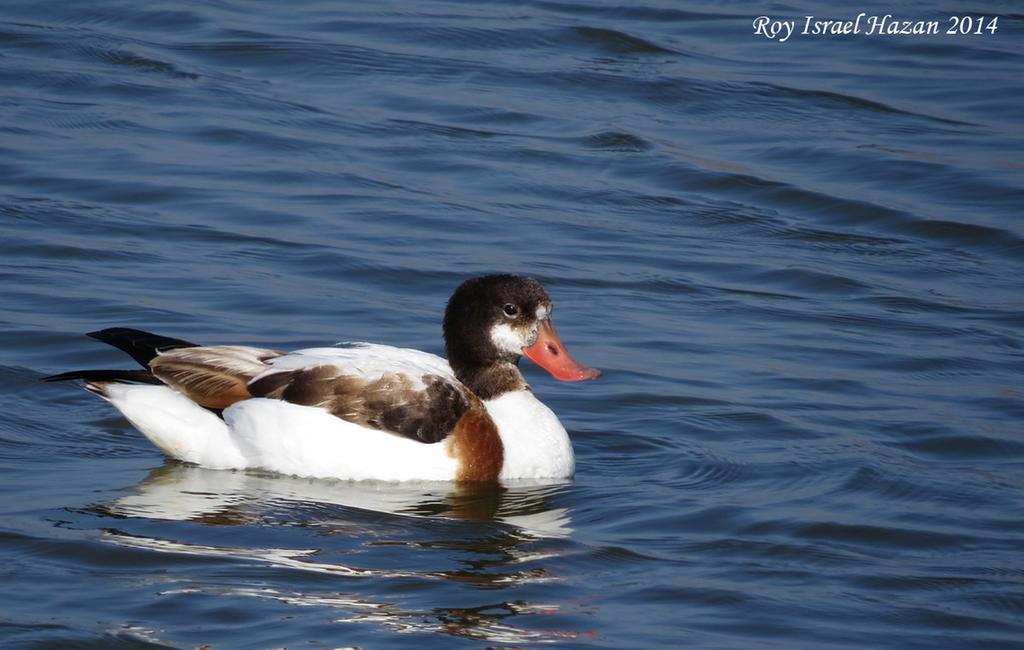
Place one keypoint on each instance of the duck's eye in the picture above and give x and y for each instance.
(510, 309)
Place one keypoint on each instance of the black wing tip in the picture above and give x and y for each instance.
(104, 333)
(64, 376)
(120, 376)
(140, 345)
(109, 334)
(93, 386)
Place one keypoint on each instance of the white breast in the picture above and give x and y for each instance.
(536, 444)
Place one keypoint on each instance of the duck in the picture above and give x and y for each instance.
(359, 411)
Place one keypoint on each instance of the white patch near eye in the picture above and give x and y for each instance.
(542, 312)
(505, 339)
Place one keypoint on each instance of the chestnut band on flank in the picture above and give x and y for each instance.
(477, 446)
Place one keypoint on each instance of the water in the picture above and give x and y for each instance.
(799, 266)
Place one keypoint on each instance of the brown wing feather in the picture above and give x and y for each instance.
(212, 376)
(426, 410)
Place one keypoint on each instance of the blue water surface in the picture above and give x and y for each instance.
(798, 264)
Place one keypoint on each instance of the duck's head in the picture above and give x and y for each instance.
(493, 320)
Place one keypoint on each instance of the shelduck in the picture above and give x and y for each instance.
(360, 411)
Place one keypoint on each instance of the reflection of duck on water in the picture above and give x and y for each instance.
(482, 535)
(182, 492)
(365, 411)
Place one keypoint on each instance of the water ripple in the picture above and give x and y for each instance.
(798, 265)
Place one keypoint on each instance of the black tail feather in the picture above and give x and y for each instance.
(136, 376)
(141, 346)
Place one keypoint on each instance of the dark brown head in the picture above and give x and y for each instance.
(493, 320)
